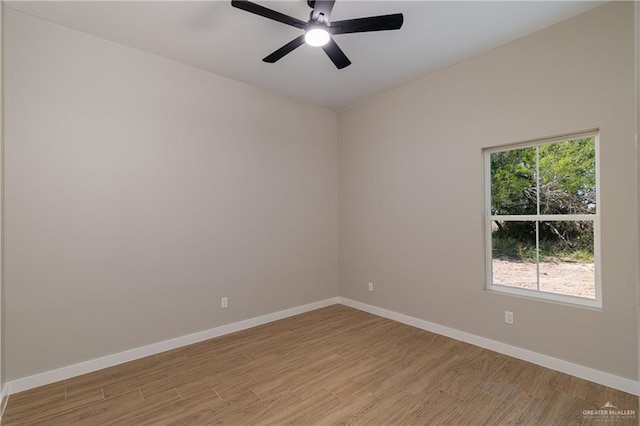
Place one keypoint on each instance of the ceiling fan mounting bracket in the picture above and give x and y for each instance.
(317, 20)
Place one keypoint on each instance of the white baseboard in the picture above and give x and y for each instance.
(600, 377)
(4, 398)
(606, 379)
(63, 373)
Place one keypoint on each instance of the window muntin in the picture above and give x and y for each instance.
(542, 219)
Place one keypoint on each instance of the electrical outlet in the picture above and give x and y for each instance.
(370, 286)
(508, 317)
(224, 302)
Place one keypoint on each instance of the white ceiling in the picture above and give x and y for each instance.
(214, 36)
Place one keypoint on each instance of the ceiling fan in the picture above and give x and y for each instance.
(319, 29)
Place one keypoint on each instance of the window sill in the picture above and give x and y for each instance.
(562, 299)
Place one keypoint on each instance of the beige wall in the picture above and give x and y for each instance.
(411, 185)
(140, 191)
(2, 311)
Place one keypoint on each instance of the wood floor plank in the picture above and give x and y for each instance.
(432, 408)
(478, 408)
(518, 409)
(467, 377)
(334, 365)
(564, 409)
(349, 411)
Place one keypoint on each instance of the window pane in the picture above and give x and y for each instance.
(514, 254)
(567, 258)
(513, 182)
(568, 177)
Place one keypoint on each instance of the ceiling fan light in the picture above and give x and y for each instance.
(316, 37)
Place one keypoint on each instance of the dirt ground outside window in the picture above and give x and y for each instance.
(574, 279)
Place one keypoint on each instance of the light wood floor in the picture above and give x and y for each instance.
(335, 365)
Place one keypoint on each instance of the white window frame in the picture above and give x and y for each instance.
(595, 303)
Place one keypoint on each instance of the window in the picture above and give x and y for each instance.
(542, 219)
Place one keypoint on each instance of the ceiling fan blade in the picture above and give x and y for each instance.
(336, 54)
(268, 13)
(372, 23)
(322, 7)
(287, 48)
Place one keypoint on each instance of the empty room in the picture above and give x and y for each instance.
(319, 212)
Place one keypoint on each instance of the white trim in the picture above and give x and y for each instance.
(597, 376)
(52, 376)
(545, 217)
(533, 294)
(4, 399)
(606, 379)
(543, 141)
(537, 294)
